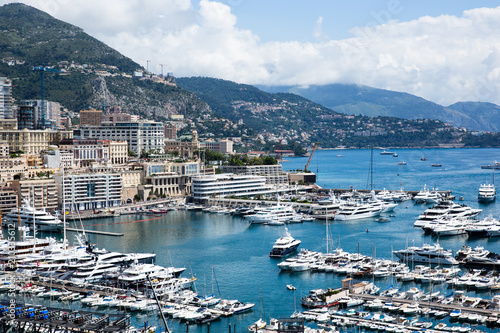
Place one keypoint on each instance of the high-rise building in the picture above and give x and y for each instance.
(5, 98)
(91, 117)
(170, 132)
(32, 115)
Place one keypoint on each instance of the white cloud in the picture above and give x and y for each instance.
(444, 59)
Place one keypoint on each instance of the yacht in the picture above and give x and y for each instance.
(433, 254)
(487, 193)
(357, 210)
(427, 196)
(491, 166)
(486, 227)
(94, 272)
(106, 257)
(284, 245)
(455, 226)
(26, 215)
(434, 212)
(17, 251)
(278, 213)
(444, 209)
(139, 272)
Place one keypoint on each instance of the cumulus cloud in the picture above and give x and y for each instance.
(444, 59)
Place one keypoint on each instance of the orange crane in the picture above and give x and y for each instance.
(310, 156)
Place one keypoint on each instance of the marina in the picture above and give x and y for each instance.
(238, 253)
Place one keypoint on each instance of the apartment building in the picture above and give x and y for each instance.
(143, 136)
(45, 192)
(89, 190)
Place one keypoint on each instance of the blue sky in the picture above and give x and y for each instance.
(282, 20)
(445, 51)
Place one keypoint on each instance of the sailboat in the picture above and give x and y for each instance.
(437, 164)
(261, 323)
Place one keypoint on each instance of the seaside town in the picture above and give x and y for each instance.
(137, 202)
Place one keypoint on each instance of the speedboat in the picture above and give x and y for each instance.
(284, 245)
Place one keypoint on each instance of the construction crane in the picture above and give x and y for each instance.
(310, 156)
(278, 151)
(42, 70)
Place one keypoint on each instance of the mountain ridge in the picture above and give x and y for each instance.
(92, 74)
(370, 101)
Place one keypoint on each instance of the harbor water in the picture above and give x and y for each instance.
(231, 258)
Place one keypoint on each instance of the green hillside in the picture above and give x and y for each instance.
(89, 73)
(362, 100)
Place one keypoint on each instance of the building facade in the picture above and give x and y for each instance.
(115, 118)
(33, 141)
(89, 191)
(31, 114)
(144, 136)
(8, 199)
(185, 145)
(5, 98)
(170, 132)
(222, 146)
(8, 124)
(222, 185)
(45, 192)
(91, 117)
(118, 152)
(273, 173)
(57, 158)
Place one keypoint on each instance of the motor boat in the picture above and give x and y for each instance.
(284, 245)
(487, 193)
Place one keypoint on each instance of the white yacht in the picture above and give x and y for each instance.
(284, 245)
(106, 257)
(433, 254)
(444, 209)
(427, 196)
(278, 213)
(26, 215)
(357, 210)
(487, 193)
(457, 226)
(434, 212)
(17, 251)
(139, 272)
(94, 272)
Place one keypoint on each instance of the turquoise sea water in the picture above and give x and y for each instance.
(239, 253)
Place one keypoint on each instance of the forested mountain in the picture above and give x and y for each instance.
(84, 71)
(291, 117)
(373, 102)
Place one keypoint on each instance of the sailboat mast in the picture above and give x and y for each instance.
(327, 240)
(371, 170)
(34, 223)
(64, 209)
